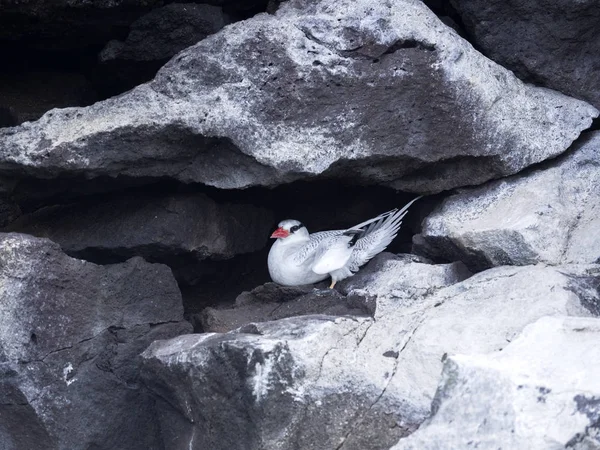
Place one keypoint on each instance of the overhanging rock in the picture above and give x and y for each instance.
(374, 92)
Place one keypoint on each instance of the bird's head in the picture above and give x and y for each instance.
(290, 229)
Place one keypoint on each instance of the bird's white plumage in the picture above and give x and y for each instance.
(303, 258)
(332, 254)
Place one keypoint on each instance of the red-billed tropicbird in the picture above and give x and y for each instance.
(298, 257)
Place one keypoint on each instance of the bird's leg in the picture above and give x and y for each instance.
(332, 283)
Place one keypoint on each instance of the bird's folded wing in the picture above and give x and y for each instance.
(308, 250)
(332, 253)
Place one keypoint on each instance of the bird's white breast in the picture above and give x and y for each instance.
(285, 270)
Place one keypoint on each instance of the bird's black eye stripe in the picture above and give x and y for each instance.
(296, 228)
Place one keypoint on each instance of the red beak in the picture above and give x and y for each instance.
(280, 233)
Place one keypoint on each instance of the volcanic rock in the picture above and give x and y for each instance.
(542, 391)
(321, 381)
(345, 89)
(553, 44)
(69, 343)
(548, 215)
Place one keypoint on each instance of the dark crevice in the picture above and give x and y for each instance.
(409, 43)
(51, 54)
(450, 16)
(36, 77)
(369, 51)
(320, 205)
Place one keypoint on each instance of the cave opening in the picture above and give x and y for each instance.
(215, 280)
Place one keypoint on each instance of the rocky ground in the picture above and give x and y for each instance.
(148, 149)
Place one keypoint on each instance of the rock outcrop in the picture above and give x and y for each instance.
(272, 301)
(548, 215)
(323, 381)
(540, 392)
(344, 89)
(70, 336)
(553, 44)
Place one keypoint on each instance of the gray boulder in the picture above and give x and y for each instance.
(541, 392)
(554, 44)
(69, 343)
(271, 302)
(344, 89)
(158, 227)
(548, 215)
(324, 382)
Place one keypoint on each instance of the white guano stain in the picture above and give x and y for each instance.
(66, 372)
(262, 378)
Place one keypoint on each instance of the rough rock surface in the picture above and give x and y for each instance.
(541, 392)
(272, 301)
(157, 227)
(259, 103)
(340, 382)
(71, 332)
(554, 44)
(550, 215)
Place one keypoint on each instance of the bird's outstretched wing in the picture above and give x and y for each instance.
(377, 236)
(333, 250)
(320, 241)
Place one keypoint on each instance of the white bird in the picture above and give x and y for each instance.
(298, 258)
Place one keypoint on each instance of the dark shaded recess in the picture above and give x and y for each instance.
(34, 80)
(240, 9)
(320, 205)
(7, 117)
(114, 77)
(50, 53)
(450, 16)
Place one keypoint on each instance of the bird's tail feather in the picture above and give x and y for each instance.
(375, 223)
(386, 226)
